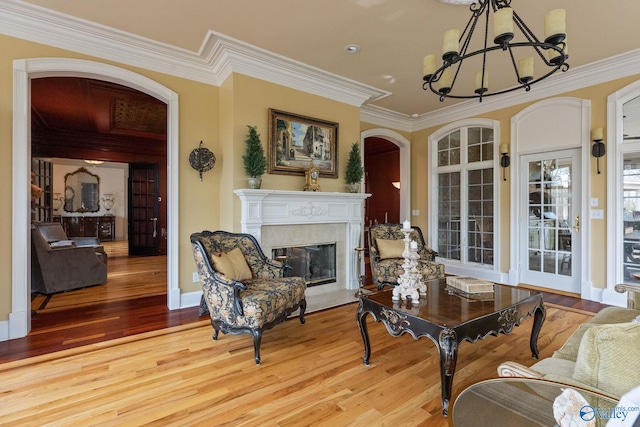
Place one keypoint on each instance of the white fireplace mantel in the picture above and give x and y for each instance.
(278, 207)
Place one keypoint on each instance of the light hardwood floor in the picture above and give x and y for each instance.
(310, 374)
(102, 357)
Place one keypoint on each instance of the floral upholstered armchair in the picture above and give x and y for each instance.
(386, 244)
(244, 291)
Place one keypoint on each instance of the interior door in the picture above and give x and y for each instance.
(550, 220)
(143, 209)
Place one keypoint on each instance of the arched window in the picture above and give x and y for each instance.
(464, 193)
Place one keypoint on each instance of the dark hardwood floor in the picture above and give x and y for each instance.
(82, 322)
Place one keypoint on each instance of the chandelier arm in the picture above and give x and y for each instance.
(484, 7)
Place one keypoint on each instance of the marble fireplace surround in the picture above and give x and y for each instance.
(278, 218)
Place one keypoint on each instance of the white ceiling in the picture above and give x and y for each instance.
(394, 35)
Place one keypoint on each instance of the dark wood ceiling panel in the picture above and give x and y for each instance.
(84, 118)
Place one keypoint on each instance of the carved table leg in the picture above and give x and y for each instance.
(448, 348)
(362, 324)
(538, 320)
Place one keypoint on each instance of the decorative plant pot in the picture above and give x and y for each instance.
(354, 187)
(255, 182)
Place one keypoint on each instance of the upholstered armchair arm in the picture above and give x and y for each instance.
(271, 269)
(633, 292)
(373, 253)
(211, 277)
(428, 254)
(514, 369)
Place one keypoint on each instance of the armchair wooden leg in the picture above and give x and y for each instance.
(303, 307)
(216, 330)
(257, 338)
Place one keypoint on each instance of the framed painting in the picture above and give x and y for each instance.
(295, 141)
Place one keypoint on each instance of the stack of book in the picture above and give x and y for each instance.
(470, 285)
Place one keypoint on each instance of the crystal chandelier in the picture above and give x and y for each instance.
(457, 49)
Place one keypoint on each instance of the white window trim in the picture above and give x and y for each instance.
(452, 266)
(616, 148)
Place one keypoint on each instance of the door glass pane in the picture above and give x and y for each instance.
(480, 219)
(631, 216)
(449, 215)
(550, 219)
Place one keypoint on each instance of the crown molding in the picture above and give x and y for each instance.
(227, 55)
(387, 118)
(218, 57)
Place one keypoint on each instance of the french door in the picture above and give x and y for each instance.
(550, 220)
(143, 209)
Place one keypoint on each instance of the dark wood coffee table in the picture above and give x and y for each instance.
(449, 317)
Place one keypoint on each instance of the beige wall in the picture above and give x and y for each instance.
(216, 115)
(219, 117)
(598, 96)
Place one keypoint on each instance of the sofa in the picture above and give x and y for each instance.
(601, 355)
(60, 264)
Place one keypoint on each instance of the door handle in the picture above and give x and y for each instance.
(577, 226)
(155, 227)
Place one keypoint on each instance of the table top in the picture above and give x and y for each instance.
(526, 402)
(447, 307)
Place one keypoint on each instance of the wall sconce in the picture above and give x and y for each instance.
(505, 160)
(396, 184)
(201, 159)
(598, 150)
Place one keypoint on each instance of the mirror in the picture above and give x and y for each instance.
(81, 191)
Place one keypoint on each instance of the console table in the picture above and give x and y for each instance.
(102, 227)
(449, 317)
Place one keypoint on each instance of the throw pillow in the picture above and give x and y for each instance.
(389, 248)
(608, 358)
(232, 265)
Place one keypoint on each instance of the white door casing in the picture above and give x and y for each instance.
(23, 71)
(547, 126)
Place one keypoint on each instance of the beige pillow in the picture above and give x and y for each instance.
(608, 358)
(232, 265)
(390, 248)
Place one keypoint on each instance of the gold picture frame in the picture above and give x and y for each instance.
(295, 140)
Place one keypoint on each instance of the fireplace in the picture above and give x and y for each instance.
(316, 263)
(278, 219)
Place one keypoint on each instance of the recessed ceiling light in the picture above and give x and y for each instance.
(352, 48)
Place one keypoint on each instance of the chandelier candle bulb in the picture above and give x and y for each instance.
(451, 44)
(554, 55)
(503, 25)
(525, 69)
(429, 65)
(480, 84)
(555, 26)
(445, 81)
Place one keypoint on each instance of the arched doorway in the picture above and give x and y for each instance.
(24, 71)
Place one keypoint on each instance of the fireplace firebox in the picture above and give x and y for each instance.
(316, 263)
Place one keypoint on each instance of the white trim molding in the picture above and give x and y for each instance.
(23, 71)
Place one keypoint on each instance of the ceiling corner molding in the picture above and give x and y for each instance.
(387, 118)
(40, 25)
(226, 55)
(217, 58)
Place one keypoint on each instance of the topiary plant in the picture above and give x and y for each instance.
(355, 170)
(254, 159)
